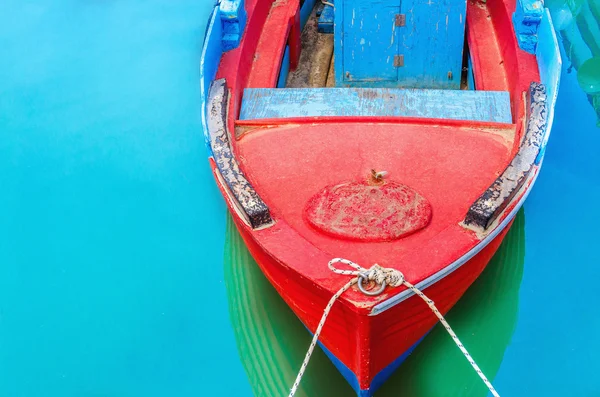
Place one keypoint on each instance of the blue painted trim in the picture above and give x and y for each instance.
(305, 11)
(285, 68)
(209, 62)
(550, 66)
(345, 371)
(378, 380)
(471, 75)
(385, 373)
(233, 19)
(526, 22)
(326, 19)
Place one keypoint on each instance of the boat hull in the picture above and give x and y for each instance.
(367, 349)
(255, 163)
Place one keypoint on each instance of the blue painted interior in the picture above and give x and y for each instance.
(233, 18)
(326, 19)
(550, 65)
(265, 103)
(306, 10)
(367, 41)
(285, 68)
(471, 76)
(526, 20)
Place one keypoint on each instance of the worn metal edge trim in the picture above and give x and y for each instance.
(385, 305)
(249, 201)
(488, 207)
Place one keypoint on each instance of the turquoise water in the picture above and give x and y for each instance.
(111, 247)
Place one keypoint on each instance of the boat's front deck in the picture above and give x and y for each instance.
(450, 166)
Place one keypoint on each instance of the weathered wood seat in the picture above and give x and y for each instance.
(268, 103)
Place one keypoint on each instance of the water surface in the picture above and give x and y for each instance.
(120, 275)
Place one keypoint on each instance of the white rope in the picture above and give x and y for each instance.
(381, 276)
(327, 3)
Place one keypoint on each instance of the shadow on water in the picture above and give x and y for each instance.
(272, 341)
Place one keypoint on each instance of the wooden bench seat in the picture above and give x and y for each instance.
(273, 103)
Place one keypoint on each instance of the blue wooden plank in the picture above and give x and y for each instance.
(550, 66)
(326, 19)
(376, 44)
(370, 41)
(209, 62)
(264, 103)
(285, 68)
(526, 21)
(432, 43)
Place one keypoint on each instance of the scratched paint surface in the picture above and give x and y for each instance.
(410, 43)
(260, 103)
(370, 40)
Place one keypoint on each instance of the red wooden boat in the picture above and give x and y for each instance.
(423, 181)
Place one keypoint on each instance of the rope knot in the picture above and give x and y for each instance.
(384, 275)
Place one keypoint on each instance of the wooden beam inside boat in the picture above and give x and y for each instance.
(315, 57)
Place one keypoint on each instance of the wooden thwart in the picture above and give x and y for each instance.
(266, 103)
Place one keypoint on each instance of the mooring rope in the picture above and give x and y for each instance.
(381, 276)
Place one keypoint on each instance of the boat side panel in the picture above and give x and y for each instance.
(236, 65)
(498, 62)
(400, 327)
(391, 333)
(266, 64)
(209, 62)
(550, 64)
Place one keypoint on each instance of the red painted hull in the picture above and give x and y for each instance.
(371, 343)
(451, 163)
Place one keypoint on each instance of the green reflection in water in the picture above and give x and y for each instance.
(588, 76)
(272, 341)
(578, 25)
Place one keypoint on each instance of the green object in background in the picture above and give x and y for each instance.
(272, 341)
(588, 76)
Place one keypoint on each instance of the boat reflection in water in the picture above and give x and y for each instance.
(272, 341)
